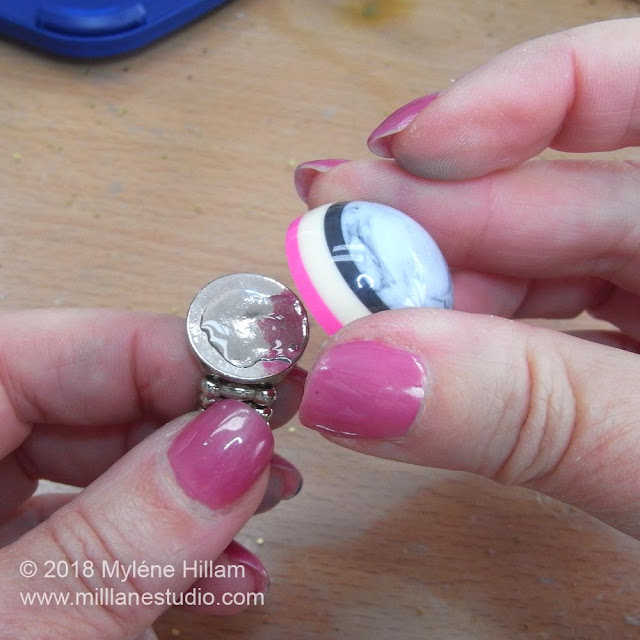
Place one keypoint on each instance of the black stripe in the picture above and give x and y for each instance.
(348, 268)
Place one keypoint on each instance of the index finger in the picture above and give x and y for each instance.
(573, 91)
(91, 367)
(117, 375)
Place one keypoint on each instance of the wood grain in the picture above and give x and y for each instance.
(131, 183)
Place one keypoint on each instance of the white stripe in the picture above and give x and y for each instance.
(322, 271)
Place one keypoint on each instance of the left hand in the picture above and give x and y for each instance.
(79, 389)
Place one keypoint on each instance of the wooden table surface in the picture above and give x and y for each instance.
(131, 183)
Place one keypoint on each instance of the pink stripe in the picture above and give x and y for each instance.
(315, 304)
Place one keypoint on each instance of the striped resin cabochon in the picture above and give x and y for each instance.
(350, 259)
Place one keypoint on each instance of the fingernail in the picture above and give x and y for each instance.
(285, 482)
(236, 553)
(307, 172)
(364, 389)
(298, 374)
(218, 456)
(379, 142)
(291, 478)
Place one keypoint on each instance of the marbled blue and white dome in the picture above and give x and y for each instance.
(350, 259)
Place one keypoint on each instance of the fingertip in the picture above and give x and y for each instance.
(306, 174)
(231, 438)
(236, 552)
(285, 482)
(381, 139)
(291, 478)
(495, 117)
(366, 389)
(237, 580)
(288, 397)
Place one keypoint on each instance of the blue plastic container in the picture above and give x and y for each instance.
(96, 28)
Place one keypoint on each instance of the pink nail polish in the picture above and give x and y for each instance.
(291, 478)
(307, 172)
(218, 456)
(379, 142)
(237, 554)
(285, 482)
(364, 389)
(298, 374)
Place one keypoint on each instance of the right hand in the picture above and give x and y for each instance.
(464, 389)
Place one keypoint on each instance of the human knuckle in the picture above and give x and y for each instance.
(83, 541)
(547, 418)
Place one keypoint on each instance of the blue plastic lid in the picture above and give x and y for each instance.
(96, 28)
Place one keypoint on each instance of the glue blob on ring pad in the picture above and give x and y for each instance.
(351, 259)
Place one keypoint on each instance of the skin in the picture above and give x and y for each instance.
(92, 398)
(78, 389)
(525, 238)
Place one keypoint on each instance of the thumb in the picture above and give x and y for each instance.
(131, 543)
(460, 391)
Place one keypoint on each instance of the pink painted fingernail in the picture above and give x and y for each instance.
(290, 477)
(298, 374)
(379, 142)
(237, 554)
(307, 172)
(285, 482)
(218, 456)
(364, 389)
